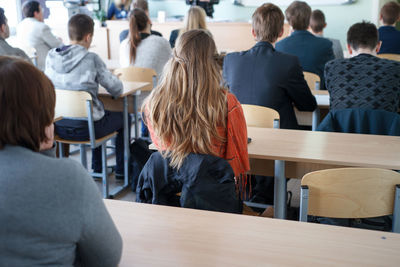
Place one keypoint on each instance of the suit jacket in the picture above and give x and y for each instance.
(363, 81)
(38, 35)
(313, 52)
(8, 50)
(390, 38)
(262, 76)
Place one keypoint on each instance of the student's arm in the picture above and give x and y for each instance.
(298, 89)
(104, 77)
(100, 243)
(49, 38)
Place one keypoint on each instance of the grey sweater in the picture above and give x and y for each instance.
(51, 211)
(8, 50)
(73, 67)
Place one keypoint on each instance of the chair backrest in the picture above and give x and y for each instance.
(137, 74)
(395, 57)
(312, 80)
(350, 192)
(71, 104)
(258, 116)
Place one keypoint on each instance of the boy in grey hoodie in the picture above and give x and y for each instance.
(73, 67)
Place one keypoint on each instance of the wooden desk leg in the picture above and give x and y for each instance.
(280, 190)
(315, 119)
(136, 116)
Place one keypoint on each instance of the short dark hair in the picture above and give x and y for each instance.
(363, 35)
(390, 12)
(3, 19)
(268, 22)
(79, 26)
(29, 8)
(143, 4)
(317, 21)
(27, 101)
(298, 15)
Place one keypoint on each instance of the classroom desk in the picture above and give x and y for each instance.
(313, 118)
(131, 89)
(167, 236)
(293, 153)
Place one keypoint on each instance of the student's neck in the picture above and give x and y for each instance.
(318, 33)
(81, 43)
(363, 51)
(390, 25)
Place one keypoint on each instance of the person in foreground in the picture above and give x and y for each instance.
(51, 210)
(313, 52)
(73, 67)
(190, 113)
(364, 80)
(388, 34)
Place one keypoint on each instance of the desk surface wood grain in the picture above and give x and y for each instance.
(128, 88)
(166, 236)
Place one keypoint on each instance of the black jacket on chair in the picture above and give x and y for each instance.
(265, 77)
(206, 182)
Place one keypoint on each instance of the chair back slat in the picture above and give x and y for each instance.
(137, 74)
(258, 116)
(312, 79)
(71, 104)
(351, 192)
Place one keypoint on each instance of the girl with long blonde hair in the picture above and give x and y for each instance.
(194, 19)
(189, 111)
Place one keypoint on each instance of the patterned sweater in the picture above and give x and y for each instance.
(363, 81)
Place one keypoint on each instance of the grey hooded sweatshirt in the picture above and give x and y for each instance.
(73, 67)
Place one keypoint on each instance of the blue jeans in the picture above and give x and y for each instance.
(77, 130)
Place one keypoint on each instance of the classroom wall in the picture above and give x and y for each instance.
(339, 17)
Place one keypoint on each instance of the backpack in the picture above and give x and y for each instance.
(140, 153)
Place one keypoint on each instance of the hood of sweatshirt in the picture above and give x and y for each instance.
(65, 58)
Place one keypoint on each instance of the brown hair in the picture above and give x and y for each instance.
(189, 104)
(390, 13)
(79, 26)
(298, 15)
(317, 21)
(268, 22)
(137, 22)
(27, 101)
(363, 35)
(143, 4)
(194, 19)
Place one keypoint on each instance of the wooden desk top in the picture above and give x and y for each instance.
(129, 88)
(361, 150)
(166, 236)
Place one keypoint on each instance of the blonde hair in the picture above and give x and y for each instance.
(189, 104)
(195, 19)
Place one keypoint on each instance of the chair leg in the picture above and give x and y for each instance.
(60, 150)
(396, 211)
(303, 203)
(83, 155)
(104, 172)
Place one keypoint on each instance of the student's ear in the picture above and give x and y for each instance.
(378, 47)
(349, 49)
(253, 33)
(3, 28)
(326, 24)
(281, 33)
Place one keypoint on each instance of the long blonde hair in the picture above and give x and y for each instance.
(195, 19)
(189, 104)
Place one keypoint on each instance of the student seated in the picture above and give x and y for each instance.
(194, 19)
(5, 48)
(51, 212)
(144, 5)
(32, 31)
(265, 77)
(388, 34)
(317, 25)
(364, 80)
(189, 111)
(119, 9)
(313, 52)
(73, 67)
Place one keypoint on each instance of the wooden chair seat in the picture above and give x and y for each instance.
(85, 142)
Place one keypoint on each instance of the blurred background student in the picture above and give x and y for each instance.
(119, 9)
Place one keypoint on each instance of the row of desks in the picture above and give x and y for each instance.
(167, 236)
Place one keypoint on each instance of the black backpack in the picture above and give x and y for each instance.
(140, 153)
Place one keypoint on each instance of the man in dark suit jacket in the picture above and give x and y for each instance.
(388, 34)
(312, 51)
(262, 76)
(364, 80)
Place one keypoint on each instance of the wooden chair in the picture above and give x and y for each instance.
(262, 117)
(78, 105)
(351, 193)
(137, 74)
(312, 80)
(395, 57)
